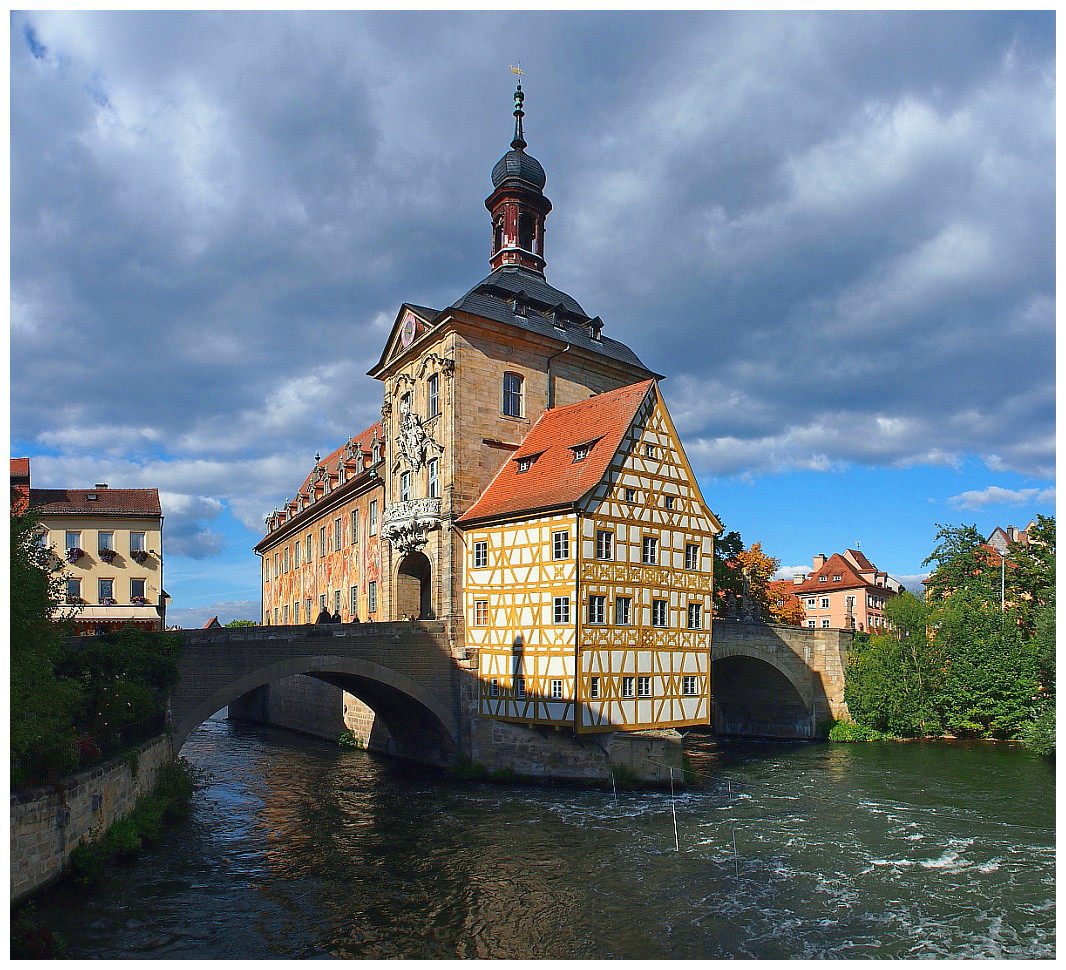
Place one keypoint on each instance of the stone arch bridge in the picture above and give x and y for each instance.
(767, 680)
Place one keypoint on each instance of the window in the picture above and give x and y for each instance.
(560, 545)
(604, 545)
(557, 689)
(433, 478)
(649, 551)
(405, 403)
(849, 602)
(481, 612)
(650, 451)
(825, 602)
(310, 615)
(810, 602)
(581, 452)
(823, 579)
(561, 609)
(336, 601)
(405, 487)
(137, 541)
(285, 613)
(669, 500)
(353, 601)
(631, 494)
(73, 540)
(658, 612)
(594, 687)
(810, 624)
(277, 572)
(107, 590)
(643, 687)
(433, 396)
(622, 610)
(481, 555)
(627, 686)
(524, 464)
(322, 541)
(373, 516)
(296, 554)
(296, 612)
(371, 597)
(692, 556)
(307, 548)
(688, 685)
(597, 609)
(494, 688)
(321, 602)
(285, 559)
(338, 534)
(825, 624)
(520, 686)
(837, 578)
(136, 588)
(525, 231)
(512, 395)
(694, 616)
(275, 616)
(355, 527)
(73, 590)
(106, 541)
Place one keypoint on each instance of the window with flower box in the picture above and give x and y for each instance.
(106, 590)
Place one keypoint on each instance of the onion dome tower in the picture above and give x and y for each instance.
(518, 204)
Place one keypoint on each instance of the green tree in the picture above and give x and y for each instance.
(1029, 573)
(241, 623)
(961, 561)
(728, 582)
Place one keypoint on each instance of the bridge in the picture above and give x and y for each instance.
(767, 680)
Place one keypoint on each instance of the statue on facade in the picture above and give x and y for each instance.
(413, 440)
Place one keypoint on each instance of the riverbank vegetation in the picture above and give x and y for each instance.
(975, 659)
(75, 701)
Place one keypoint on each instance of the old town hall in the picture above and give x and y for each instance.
(526, 484)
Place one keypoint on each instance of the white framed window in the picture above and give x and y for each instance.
(105, 540)
(73, 590)
(338, 534)
(627, 686)
(560, 545)
(355, 527)
(321, 602)
(285, 613)
(688, 685)
(321, 543)
(649, 551)
(353, 600)
(520, 686)
(336, 601)
(73, 540)
(694, 617)
(296, 612)
(433, 478)
(692, 556)
(622, 610)
(285, 559)
(310, 614)
(594, 687)
(433, 395)
(481, 612)
(823, 579)
(658, 612)
(810, 624)
(561, 609)
(810, 602)
(275, 616)
(597, 609)
(512, 395)
(372, 597)
(604, 544)
(373, 516)
(825, 624)
(837, 578)
(405, 486)
(307, 548)
(524, 464)
(581, 452)
(494, 687)
(643, 687)
(557, 689)
(481, 555)
(137, 588)
(631, 494)
(668, 500)
(277, 572)
(825, 602)
(296, 554)
(137, 543)
(650, 451)
(106, 589)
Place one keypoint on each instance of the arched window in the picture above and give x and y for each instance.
(497, 236)
(512, 395)
(525, 231)
(432, 396)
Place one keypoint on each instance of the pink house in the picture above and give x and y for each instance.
(845, 592)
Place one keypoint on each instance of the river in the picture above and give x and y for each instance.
(300, 849)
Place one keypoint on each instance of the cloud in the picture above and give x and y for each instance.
(994, 495)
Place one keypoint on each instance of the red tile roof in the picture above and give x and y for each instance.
(108, 501)
(20, 468)
(554, 479)
(333, 459)
(836, 565)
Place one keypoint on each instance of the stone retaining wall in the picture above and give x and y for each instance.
(48, 823)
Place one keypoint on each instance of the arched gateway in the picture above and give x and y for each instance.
(403, 671)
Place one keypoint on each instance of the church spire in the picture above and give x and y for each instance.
(518, 203)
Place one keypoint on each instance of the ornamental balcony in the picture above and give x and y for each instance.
(407, 524)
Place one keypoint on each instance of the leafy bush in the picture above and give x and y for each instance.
(1039, 735)
(348, 739)
(852, 731)
(123, 838)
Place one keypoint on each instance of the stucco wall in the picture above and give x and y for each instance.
(48, 823)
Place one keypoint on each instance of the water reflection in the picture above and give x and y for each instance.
(299, 849)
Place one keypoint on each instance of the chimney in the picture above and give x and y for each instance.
(819, 562)
(798, 579)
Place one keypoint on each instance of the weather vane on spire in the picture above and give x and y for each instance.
(518, 142)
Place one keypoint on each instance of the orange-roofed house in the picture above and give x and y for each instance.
(845, 592)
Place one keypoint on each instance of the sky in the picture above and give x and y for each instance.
(832, 232)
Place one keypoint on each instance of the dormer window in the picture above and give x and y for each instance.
(525, 462)
(823, 579)
(581, 452)
(837, 578)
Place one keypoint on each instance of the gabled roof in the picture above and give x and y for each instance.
(20, 469)
(333, 460)
(838, 565)
(859, 560)
(107, 501)
(554, 478)
(211, 624)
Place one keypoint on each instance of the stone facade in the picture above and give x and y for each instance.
(48, 823)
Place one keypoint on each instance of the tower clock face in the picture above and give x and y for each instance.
(407, 330)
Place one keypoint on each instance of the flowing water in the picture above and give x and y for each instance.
(300, 849)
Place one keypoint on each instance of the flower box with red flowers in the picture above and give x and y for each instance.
(139, 600)
(139, 555)
(74, 553)
(108, 601)
(107, 555)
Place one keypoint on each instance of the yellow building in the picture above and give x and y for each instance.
(111, 543)
(510, 374)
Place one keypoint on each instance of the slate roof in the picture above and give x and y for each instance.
(554, 479)
(494, 299)
(108, 501)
